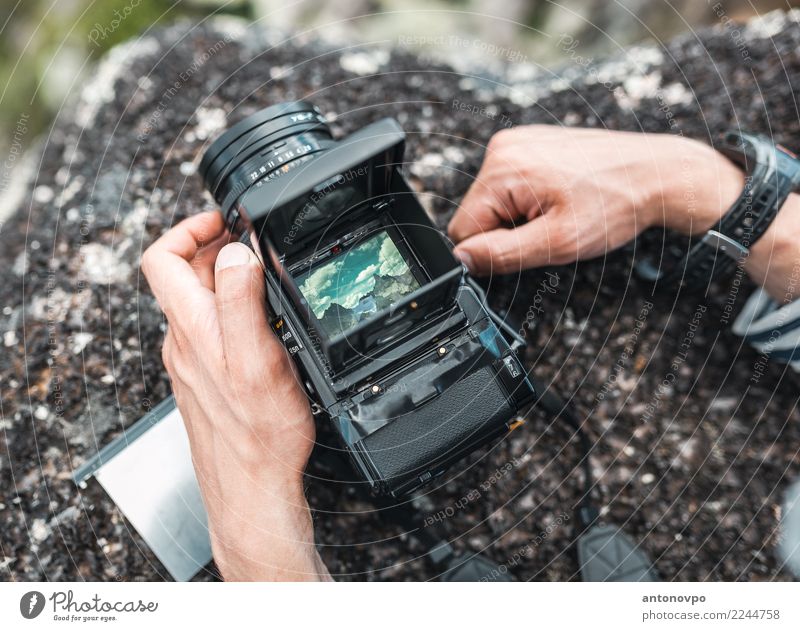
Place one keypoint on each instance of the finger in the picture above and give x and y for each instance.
(504, 251)
(505, 190)
(166, 262)
(203, 262)
(248, 343)
(483, 208)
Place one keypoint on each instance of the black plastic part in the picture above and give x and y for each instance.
(587, 515)
(473, 569)
(441, 552)
(410, 447)
(606, 554)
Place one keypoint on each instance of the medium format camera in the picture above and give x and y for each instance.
(393, 340)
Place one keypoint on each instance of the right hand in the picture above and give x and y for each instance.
(549, 195)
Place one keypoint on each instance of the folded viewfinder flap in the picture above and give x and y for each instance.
(148, 473)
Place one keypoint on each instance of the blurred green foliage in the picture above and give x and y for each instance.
(48, 46)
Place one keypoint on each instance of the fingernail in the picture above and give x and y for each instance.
(466, 259)
(232, 255)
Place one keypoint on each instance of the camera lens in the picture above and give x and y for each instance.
(264, 145)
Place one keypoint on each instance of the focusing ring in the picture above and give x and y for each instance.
(248, 124)
(260, 145)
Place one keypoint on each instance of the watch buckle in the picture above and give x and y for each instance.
(726, 245)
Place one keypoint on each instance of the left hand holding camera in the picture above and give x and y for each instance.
(247, 416)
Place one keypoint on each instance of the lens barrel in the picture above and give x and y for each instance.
(264, 145)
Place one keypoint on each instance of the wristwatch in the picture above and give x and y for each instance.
(772, 174)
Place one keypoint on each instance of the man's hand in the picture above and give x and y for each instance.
(247, 417)
(579, 193)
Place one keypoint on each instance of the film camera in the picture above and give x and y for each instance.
(392, 339)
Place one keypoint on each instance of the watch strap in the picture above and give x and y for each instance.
(772, 174)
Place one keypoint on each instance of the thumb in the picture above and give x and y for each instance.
(504, 251)
(240, 291)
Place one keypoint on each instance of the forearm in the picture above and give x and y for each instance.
(275, 542)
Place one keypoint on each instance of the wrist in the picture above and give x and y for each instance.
(269, 538)
(700, 188)
(694, 187)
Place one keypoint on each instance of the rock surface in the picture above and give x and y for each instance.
(694, 469)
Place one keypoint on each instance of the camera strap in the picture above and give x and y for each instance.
(605, 552)
(452, 565)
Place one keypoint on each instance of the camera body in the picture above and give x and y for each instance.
(391, 337)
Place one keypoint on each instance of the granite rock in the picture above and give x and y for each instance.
(694, 471)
